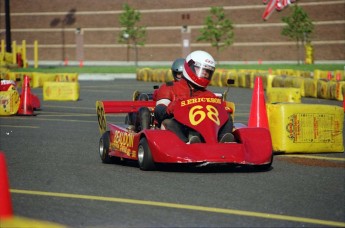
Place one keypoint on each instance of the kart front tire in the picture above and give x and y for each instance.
(104, 143)
(145, 159)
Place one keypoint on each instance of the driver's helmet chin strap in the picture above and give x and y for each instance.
(194, 87)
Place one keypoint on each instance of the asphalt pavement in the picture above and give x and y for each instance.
(56, 174)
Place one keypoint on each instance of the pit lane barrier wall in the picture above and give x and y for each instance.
(317, 84)
(295, 127)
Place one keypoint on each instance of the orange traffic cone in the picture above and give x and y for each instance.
(66, 62)
(25, 107)
(258, 114)
(329, 75)
(338, 76)
(5, 197)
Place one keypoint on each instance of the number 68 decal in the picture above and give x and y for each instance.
(197, 115)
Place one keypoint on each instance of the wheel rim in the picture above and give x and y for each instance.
(140, 154)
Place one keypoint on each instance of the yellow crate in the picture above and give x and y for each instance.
(306, 128)
(40, 78)
(310, 87)
(276, 95)
(61, 91)
(66, 77)
(9, 101)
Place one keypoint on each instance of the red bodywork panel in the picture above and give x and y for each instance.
(126, 106)
(253, 146)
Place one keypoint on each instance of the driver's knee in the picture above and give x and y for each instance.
(174, 126)
(144, 117)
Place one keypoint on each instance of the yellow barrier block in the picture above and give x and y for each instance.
(310, 87)
(155, 75)
(323, 90)
(249, 80)
(40, 78)
(298, 82)
(321, 74)
(18, 77)
(158, 75)
(229, 74)
(279, 95)
(144, 74)
(336, 91)
(61, 91)
(169, 76)
(66, 77)
(241, 80)
(306, 128)
(3, 72)
(339, 75)
(278, 81)
(9, 102)
(216, 78)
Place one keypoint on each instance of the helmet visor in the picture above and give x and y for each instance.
(201, 70)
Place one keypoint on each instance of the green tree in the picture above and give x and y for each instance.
(131, 34)
(218, 30)
(298, 27)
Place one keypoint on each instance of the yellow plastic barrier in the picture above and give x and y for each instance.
(336, 91)
(61, 91)
(144, 74)
(155, 73)
(162, 75)
(168, 76)
(298, 82)
(310, 87)
(217, 77)
(241, 79)
(249, 80)
(306, 128)
(323, 89)
(339, 75)
(19, 76)
(40, 78)
(321, 74)
(276, 95)
(66, 77)
(278, 81)
(9, 101)
(229, 74)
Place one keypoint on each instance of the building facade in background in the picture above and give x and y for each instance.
(88, 30)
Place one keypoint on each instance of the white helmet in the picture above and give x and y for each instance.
(199, 68)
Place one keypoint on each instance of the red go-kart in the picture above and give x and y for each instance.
(153, 146)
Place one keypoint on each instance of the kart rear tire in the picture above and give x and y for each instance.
(145, 159)
(104, 143)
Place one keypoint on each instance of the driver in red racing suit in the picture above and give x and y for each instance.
(199, 67)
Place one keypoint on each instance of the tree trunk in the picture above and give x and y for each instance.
(298, 52)
(136, 54)
(217, 55)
